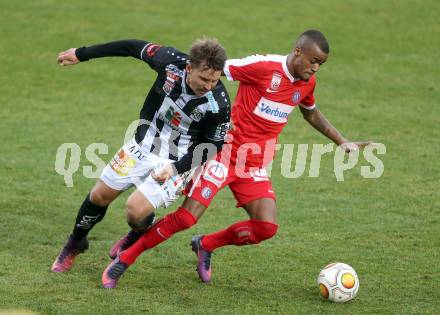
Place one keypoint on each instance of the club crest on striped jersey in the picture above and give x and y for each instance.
(276, 81)
(196, 114)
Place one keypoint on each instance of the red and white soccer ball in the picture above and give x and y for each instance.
(338, 282)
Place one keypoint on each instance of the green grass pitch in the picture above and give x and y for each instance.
(380, 83)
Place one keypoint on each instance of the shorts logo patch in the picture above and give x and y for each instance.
(206, 192)
(216, 173)
(122, 163)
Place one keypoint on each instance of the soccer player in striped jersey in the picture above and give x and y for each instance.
(271, 86)
(183, 122)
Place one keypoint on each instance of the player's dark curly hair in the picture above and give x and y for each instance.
(207, 53)
(316, 37)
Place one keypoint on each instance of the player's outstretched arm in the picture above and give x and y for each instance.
(317, 119)
(120, 48)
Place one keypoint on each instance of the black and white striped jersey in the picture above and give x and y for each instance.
(173, 120)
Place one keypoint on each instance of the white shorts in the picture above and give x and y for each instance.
(132, 167)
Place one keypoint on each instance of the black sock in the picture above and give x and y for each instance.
(88, 215)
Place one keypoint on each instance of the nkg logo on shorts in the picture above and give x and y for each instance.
(273, 111)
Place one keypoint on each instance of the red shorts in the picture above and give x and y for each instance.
(215, 175)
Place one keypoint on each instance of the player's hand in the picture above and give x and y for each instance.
(164, 174)
(67, 58)
(354, 146)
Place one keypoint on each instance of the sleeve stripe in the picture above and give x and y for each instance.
(308, 107)
(227, 72)
(255, 58)
(143, 50)
(247, 61)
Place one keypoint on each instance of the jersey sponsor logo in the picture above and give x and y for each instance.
(170, 82)
(134, 150)
(152, 49)
(170, 113)
(276, 81)
(122, 163)
(172, 77)
(220, 132)
(174, 70)
(168, 86)
(216, 173)
(173, 117)
(296, 97)
(212, 103)
(272, 111)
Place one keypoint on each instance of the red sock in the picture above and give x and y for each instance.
(240, 233)
(172, 223)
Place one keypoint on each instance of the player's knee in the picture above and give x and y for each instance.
(263, 230)
(102, 195)
(99, 198)
(141, 224)
(136, 212)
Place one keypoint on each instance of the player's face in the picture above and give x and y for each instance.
(202, 80)
(307, 61)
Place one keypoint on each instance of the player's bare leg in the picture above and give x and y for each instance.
(263, 209)
(261, 226)
(92, 211)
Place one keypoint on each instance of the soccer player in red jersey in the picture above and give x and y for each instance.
(271, 86)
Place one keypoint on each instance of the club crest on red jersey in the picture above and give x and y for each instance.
(296, 96)
(276, 81)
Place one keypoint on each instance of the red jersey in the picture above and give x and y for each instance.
(266, 96)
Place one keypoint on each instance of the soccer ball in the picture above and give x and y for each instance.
(338, 282)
